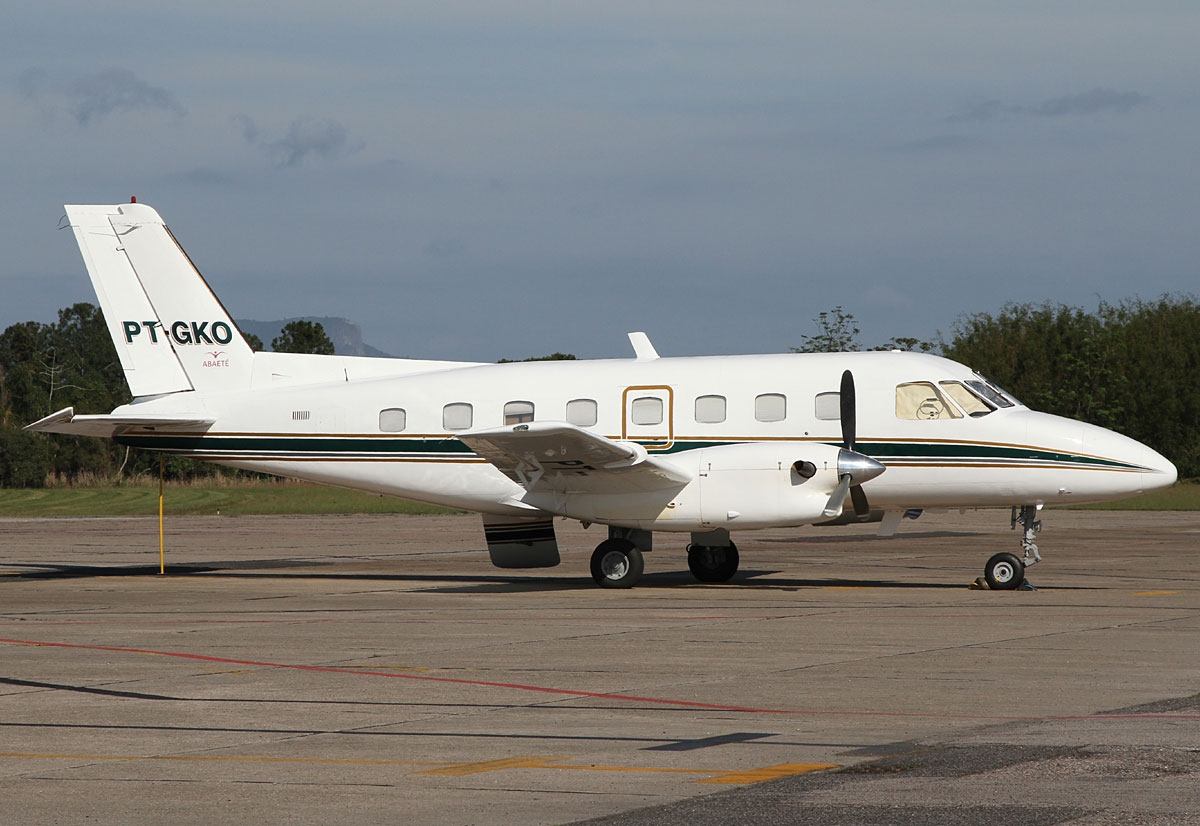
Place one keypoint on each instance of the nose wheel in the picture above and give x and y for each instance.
(1004, 572)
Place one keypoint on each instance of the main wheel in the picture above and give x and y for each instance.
(713, 564)
(1004, 572)
(617, 563)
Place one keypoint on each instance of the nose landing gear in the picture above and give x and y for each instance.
(1005, 571)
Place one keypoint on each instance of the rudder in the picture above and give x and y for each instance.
(170, 330)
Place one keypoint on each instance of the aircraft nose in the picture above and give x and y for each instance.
(1152, 470)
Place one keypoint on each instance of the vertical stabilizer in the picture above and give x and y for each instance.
(170, 330)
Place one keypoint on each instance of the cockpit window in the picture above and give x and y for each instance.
(921, 400)
(992, 393)
(966, 399)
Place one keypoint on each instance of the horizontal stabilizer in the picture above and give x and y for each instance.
(65, 421)
(556, 456)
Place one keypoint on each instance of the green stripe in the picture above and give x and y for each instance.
(883, 451)
(293, 444)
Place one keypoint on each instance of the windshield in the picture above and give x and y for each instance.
(971, 402)
(992, 392)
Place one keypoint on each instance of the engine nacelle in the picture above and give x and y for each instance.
(737, 487)
(762, 485)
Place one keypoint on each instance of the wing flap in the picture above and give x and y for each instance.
(66, 421)
(556, 456)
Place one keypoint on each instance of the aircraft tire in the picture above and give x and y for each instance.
(713, 564)
(1004, 572)
(617, 563)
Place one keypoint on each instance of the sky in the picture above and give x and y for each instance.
(481, 180)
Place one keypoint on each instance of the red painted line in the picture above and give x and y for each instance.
(567, 692)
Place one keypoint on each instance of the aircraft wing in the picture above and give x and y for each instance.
(556, 456)
(66, 421)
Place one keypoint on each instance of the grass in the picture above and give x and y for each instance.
(268, 497)
(245, 499)
(1183, 496)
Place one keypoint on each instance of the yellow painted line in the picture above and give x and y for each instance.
(521, 762)
(1154, 593)
(455, 769)
(768, 773)
(634, 769)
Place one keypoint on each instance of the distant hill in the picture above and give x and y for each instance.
(345, 334)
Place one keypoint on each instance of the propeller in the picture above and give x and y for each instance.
(852, 467)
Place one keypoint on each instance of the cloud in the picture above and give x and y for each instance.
(89, 98)
(1092, 102)
(984, 111)
(306, 137)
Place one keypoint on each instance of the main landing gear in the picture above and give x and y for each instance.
(1005, 571)
(713, 563)
(617, 562)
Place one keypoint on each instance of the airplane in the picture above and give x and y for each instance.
(702, 445)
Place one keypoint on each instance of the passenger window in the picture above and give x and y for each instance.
(770, 407)
(518, 412)
(828, 406)
(582, 412)
(710, 409)
(393, 420)
(968, 401)
(921, 400)
(457, 416)
(647, 410)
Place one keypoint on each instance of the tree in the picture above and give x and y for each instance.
(909, 344)
(303, 337)
(254, 341)
(836, 333)
(44, 368)
(25, 459)
(551, 357)
(1130, 367)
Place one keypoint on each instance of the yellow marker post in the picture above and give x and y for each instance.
(162, 567)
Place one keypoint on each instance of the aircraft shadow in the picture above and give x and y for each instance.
(284, 569)
(860, 538)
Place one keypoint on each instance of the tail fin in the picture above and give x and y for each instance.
(171, 332)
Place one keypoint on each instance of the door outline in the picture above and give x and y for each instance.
(658, 438)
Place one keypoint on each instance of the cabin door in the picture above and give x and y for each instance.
(649, 416)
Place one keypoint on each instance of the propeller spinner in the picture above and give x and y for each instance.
(853, 467)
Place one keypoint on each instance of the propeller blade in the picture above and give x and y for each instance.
(838, 497)
(859, 497)
(848, 410)
(852, 466)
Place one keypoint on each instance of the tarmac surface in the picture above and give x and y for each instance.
(378, 670)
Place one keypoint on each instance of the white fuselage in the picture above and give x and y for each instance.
(390, 427)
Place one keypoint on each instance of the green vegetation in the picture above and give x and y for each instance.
(551, 357)
(245, 499)
(1132, 367)
(302, 336)
(1184, 496)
